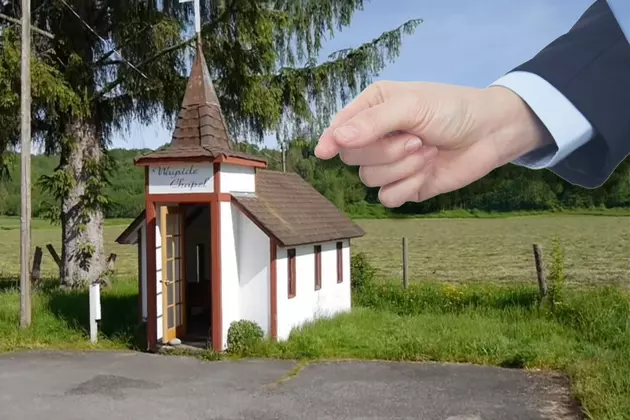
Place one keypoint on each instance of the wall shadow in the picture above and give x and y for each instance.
(11, 283)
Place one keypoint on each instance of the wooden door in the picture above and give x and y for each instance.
(173, 284)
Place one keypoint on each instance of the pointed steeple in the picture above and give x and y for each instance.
(200, 121)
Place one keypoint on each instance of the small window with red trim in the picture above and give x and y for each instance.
(291, 272)
(318, 267)
(339, 262)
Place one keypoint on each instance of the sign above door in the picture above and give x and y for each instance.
(184, 179)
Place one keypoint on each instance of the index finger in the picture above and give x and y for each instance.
(374, 123)
(327, 147)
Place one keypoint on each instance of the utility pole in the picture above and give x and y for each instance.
(25, 181)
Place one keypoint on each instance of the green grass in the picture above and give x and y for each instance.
(60, 319)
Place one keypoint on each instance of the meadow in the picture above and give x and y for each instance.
(497, 250)
(597, 248)
(44, 233)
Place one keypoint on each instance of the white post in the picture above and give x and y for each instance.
(95, 311)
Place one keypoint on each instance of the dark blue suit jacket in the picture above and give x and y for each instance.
(590, 65)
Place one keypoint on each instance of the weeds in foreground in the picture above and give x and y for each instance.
(60, 319)
(557, 281)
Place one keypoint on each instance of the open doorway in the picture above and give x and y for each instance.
(186, 275)
(196, 246)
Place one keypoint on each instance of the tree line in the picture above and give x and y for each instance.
(510, 188)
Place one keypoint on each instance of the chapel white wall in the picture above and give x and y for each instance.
(308, 303)
(253, 247)
(237, 179)
(229, 269)
(244, 270)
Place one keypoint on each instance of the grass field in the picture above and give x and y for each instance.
(454, 250)
(597, 248)
(44, 233)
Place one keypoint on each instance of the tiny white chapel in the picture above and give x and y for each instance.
(224, 239)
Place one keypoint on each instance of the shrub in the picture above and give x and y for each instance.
(362, 271)
(244, 337)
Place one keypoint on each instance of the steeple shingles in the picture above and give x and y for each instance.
(200, 121)
(200, 130)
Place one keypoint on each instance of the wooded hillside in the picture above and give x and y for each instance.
(509, 188)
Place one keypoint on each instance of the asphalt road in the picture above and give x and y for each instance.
(112, 386)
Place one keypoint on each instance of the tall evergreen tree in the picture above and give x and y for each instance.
(99, 65)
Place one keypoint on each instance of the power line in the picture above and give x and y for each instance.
(87, 25)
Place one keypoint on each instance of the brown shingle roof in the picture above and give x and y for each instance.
(294, 212)
(200, 121)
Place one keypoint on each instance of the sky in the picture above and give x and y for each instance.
(462, 42)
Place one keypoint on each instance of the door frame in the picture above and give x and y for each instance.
(152, 203)
(180, 330)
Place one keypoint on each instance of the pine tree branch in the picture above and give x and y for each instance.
(323, 82)
(111, 86)
(33, 28)
(311, 94)
(205, 29)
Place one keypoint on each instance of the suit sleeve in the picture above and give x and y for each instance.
(590, 66)
(567, 126)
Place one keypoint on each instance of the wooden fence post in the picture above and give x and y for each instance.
(405, 263)
(111, 261)
(36, 271)
(540, 271)
(54, 254)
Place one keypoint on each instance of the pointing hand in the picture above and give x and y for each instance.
(418, 140)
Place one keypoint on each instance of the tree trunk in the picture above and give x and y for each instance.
(82, 253)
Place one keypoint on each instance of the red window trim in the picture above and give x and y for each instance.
(318, 266)
(291, 273)
(339, 262)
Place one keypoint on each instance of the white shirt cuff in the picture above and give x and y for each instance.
(568, 127)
